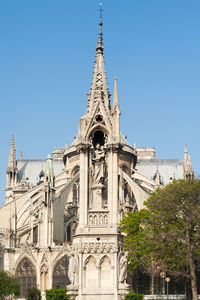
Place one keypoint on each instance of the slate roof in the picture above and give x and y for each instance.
(168, 168)
(32, 168)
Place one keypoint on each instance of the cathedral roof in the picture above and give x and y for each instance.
(30, 169)
(168, 168)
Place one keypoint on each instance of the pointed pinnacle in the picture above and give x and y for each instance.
(185, 152)
(12, 155)
(115, 95)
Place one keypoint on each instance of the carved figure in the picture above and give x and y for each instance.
(98, 161)
(127, 199)
(123, 269)
(73, 270)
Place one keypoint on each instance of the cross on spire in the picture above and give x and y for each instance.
(99, 47)
(101, 13)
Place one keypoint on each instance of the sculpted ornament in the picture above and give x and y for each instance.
(25, 251)
(97, 247)
(4, 236)
(123, 269)
(98, 161)
(44, 269)
(73, 270)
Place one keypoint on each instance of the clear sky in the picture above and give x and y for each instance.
(47, 51)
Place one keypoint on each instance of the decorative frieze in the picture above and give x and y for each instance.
(98, 218)
(98, 247)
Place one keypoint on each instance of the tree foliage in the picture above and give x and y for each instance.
(133, 296)
(8, 285)
(165, 237)
(56, 294)
(33, 293)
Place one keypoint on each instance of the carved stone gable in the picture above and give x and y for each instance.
(44, 259)
(26, 251)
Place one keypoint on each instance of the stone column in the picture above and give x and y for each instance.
(83, 187)
(110, 184)
(115, 188)
(113, 185)
(115, 276)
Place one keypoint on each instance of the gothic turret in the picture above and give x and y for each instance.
(188, 170)
(49, 174)
(49, 189)
(11, 171)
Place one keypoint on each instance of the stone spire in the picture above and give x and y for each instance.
(12, 164)
(116, 112)
(11, 172)
(115, 105)
(188, 170)
(99, 91)
(185, 152)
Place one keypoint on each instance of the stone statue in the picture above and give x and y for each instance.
(98, 161)
(123, 269)
(73, 270)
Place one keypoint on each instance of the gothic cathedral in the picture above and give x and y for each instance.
(60, 222)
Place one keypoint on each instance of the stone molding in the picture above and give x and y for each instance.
(98, 248)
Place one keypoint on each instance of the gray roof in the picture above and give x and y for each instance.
(30, 169)
(168, 168)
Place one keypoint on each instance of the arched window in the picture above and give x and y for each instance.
(75, 188)
(75, 170)
(98, 138)
(26, 275)
(60, 273)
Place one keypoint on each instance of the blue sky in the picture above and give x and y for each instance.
(47, 51)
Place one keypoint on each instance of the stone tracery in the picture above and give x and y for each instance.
(26, 274)
(60, 273)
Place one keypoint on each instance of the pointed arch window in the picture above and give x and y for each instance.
(26, 275)
(60, 273)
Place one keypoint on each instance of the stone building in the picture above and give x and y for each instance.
(60, 222)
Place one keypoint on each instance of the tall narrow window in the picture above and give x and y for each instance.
(69, 233)
(35, 235)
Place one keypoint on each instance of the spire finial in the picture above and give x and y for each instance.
(99, 47)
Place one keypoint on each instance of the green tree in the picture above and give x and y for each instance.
(133, 296)
(165, 237)
(33, 293)
(56, 294)
(9, 285)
